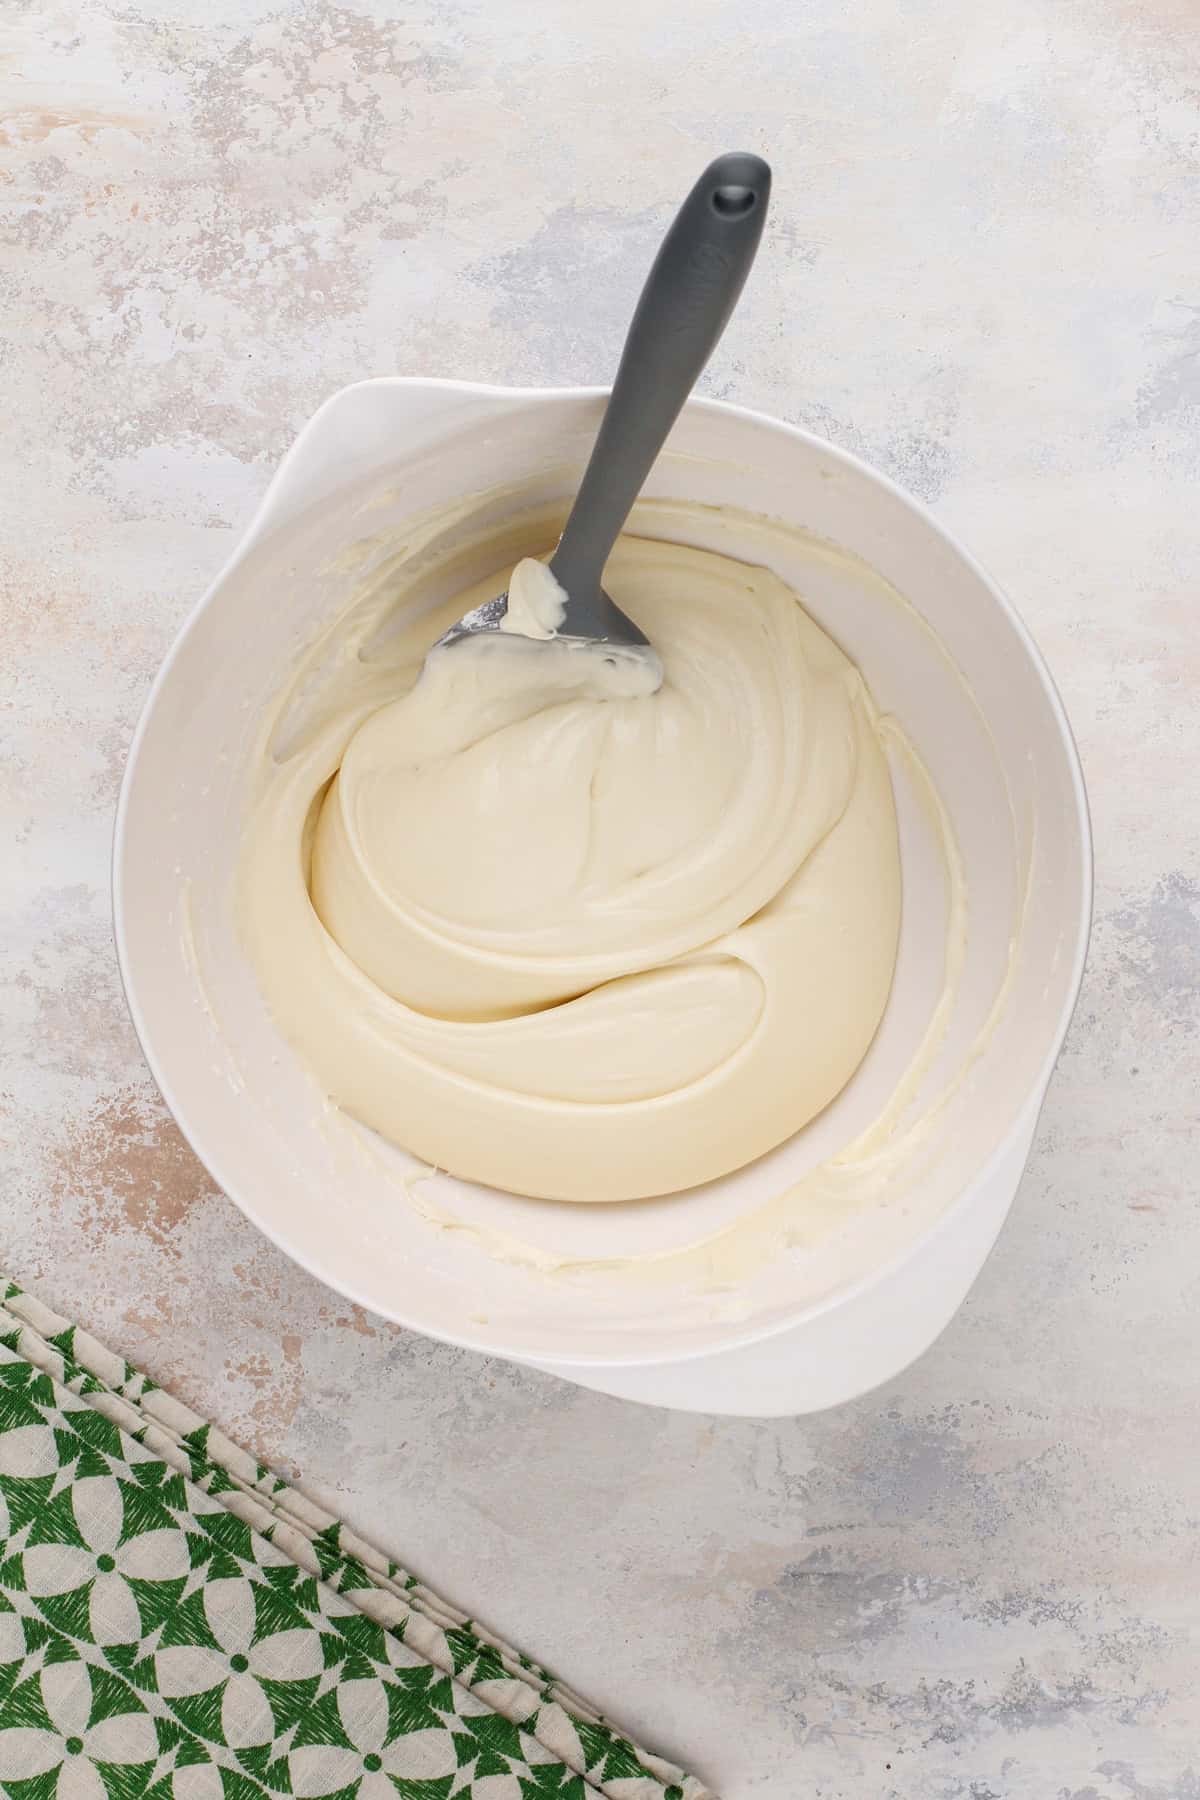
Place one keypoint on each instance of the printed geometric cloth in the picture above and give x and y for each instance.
(178, 1623)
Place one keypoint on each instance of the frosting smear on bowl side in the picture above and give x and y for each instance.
(565, 938)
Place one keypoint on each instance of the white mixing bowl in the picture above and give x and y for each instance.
(814, 1297)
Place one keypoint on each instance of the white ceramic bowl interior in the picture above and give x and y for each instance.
(942, 652)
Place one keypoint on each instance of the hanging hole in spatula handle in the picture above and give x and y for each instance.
(684, 307)
(733, 200)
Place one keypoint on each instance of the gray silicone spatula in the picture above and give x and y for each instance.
(684, 307)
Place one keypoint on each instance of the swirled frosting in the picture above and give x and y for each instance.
(570, 941)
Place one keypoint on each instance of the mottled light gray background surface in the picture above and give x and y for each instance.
(983, 272)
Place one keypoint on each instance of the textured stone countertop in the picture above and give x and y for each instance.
(984, 275)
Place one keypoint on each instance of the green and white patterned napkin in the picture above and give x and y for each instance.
(178, 1623)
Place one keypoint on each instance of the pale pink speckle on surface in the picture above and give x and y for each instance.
(982, 272)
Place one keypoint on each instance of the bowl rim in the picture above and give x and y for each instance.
(727, 1336)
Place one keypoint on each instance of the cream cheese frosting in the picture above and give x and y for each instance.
(536, 603)
(566, 939)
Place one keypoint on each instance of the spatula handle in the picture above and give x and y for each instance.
(684, 307)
